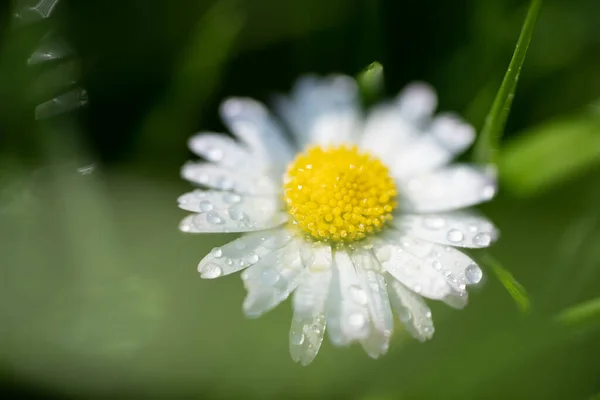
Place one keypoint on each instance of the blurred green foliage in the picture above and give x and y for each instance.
(99, 296)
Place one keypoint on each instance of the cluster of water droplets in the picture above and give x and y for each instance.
(241, 253)
(228, 212)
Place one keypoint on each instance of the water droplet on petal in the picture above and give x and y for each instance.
(270, 277)
(232, 198)
(482, 240)
(214, 218)
(436, 265)
(358, 294)
(216, 252)
(206, 206)
(473, 274)
(455, 236)
(236, 213)
(211, 271)
(417, 288)
(252, 258)
(297, 338)
(404, 314)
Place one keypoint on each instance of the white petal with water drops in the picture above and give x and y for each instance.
(347, 311)
(458, 228)
(412, 270)
(229, 212)
(411, 310)
(241, 181)
(251, 122)
(308, 322)
(322, 110)
(372, 288)
(271, 280)
(242, 252)
(457, 186)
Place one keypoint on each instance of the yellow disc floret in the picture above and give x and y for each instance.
(338, 194)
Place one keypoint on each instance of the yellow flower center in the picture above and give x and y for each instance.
(338, 194)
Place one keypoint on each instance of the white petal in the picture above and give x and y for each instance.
(452, 132)
(458, 228)
(417, 101)
(250, 121)
(225, 151)
(411, 309)
(239, 181)
(348, 315)
(271, 279)
(373, 288)
(242, 252)
(386, 131)
(411, 270)
(438, 145)
(451, 188)
(229, 212)
(308, 323)
(322, 110)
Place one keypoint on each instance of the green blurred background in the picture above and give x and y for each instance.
(99, 294)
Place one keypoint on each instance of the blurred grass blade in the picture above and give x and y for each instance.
(370, 82)
(514, 288)
(581, 313)
(489, 138)
(194, 79)
(550, 154)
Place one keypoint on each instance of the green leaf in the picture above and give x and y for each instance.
(493, 127)
(514, 288)
(550, 154)
(370, 82)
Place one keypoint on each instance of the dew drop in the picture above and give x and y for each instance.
(482, 240)
(434, 223)
(428, 315)
(236, 213)
(216, 252)
(232, 198)
(473, 274)
(252, 258)
(417, 288)
(270, 277)
(240, 245)
(297, 338)
(206, 206)
(211, 271)
(473, 228)
(213, 218)
(436, 265)
(404, 314)
(455, 236)
(358, 294)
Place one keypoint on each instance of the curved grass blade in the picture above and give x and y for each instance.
(489, 138)
(580, 313)
(370, 82)
(514, 288)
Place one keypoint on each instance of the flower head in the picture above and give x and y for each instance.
(356, 216)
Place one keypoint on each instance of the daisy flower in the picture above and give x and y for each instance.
(357, 216)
